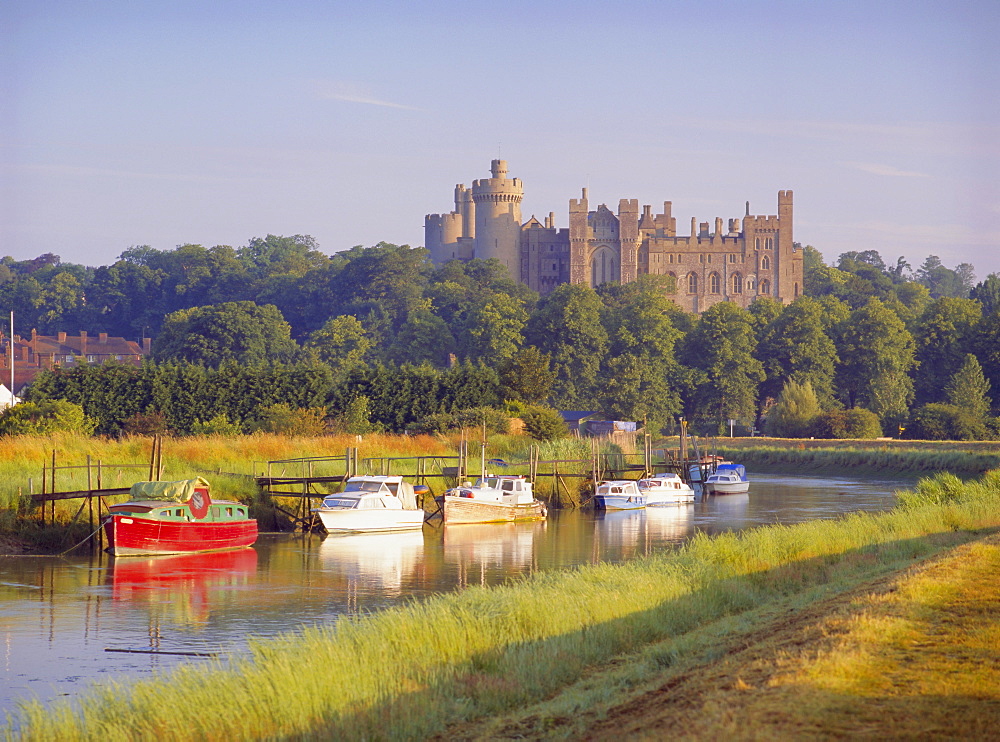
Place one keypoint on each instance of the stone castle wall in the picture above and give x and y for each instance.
(737, 262)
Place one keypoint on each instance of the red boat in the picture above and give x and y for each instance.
(176, 518)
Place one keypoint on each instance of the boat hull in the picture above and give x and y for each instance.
(619, 502)
(471, 510)
(130, 535)
(680, 497)
(727, 488)
(370, 521)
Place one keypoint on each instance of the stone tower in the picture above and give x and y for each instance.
(497, 203)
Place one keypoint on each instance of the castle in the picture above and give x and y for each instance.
(753, 257)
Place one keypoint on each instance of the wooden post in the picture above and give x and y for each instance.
(90, 497)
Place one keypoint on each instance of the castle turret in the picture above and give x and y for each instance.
(497, 202)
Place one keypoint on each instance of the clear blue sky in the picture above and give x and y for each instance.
(162, 123)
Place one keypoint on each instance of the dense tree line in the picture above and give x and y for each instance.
(383, 332)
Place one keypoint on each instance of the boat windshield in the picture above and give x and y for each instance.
(364, 486)
(340, 502)
(491, 482)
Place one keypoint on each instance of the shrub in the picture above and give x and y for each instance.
(218, 425)
(945, 422)
(544, 423)
(793, 414)
(47, 416)
(286, 420)
(496, 421)
(150, 423)
(854, 423)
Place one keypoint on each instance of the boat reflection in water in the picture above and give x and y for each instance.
(187, 587)
(489, 552)
(618, 531)
(381, 561)
(670, 523)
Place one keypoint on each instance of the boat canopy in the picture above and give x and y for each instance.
(170, 491)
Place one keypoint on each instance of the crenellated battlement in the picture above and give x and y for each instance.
(736, 259)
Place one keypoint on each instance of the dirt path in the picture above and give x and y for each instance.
(756, 691)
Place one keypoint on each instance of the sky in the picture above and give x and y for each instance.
(135, 122)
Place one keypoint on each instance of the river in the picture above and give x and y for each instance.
(60, 616)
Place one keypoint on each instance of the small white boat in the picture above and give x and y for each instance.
(620, 494)
(492, 499)
(727, 479)
(371, 503)
(666, 489)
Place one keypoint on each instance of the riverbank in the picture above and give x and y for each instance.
(861, 458)
(586, 639)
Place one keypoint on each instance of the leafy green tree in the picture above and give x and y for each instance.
(423, 338)
(567, 326)
(722, 347)
(355, 418)
(544, 423)
(987, 293)
(795, 347)
(493, 329)
(219, 425)
(945, 422)
(944, 281)
(341, 343)
(943, 335)
(856, 423)
(969, 389)
(876, 356)
(231, 331)
(793, 415)
(641, 360)
(44, 417)
(526, 376)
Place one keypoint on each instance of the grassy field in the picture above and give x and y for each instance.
(540, 656)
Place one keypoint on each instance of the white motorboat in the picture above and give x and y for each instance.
(371, 503)
(621, 494)
(666, 489)
(492, 499)
(727, 479)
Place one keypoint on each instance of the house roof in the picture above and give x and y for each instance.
(575, 415)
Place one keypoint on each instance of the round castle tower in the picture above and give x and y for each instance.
(498, 217)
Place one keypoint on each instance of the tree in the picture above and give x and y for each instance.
(341, 343)
(232, 331)
(856, 423)
(876, 355)
(493, 329)
(544, 423)
(567, 326)
(944, 281)
(721, 346)
(987, 293)
(792, 416)
(943, 422)
(944, 334)
(638, 319)
(969, 389)
(44, 417)
(526, 376)
(795, 347)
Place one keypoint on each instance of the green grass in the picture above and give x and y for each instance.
(410, 672)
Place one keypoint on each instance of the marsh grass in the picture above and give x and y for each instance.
(409, 672)
(877, 457)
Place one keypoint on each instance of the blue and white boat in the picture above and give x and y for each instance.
(620, 494)
(727, 479)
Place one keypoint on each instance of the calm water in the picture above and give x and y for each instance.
(59, 616)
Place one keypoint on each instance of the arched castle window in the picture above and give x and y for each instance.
(765, 263)
(751, 284)
(765, 287)
(732, 258)
(737, 283)
(756, 243)
(769, 243)
(603, 267)
(714, 283)
(796, 290)
(692, 283)
(671, 257)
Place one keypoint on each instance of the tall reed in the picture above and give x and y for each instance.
(408, 672)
